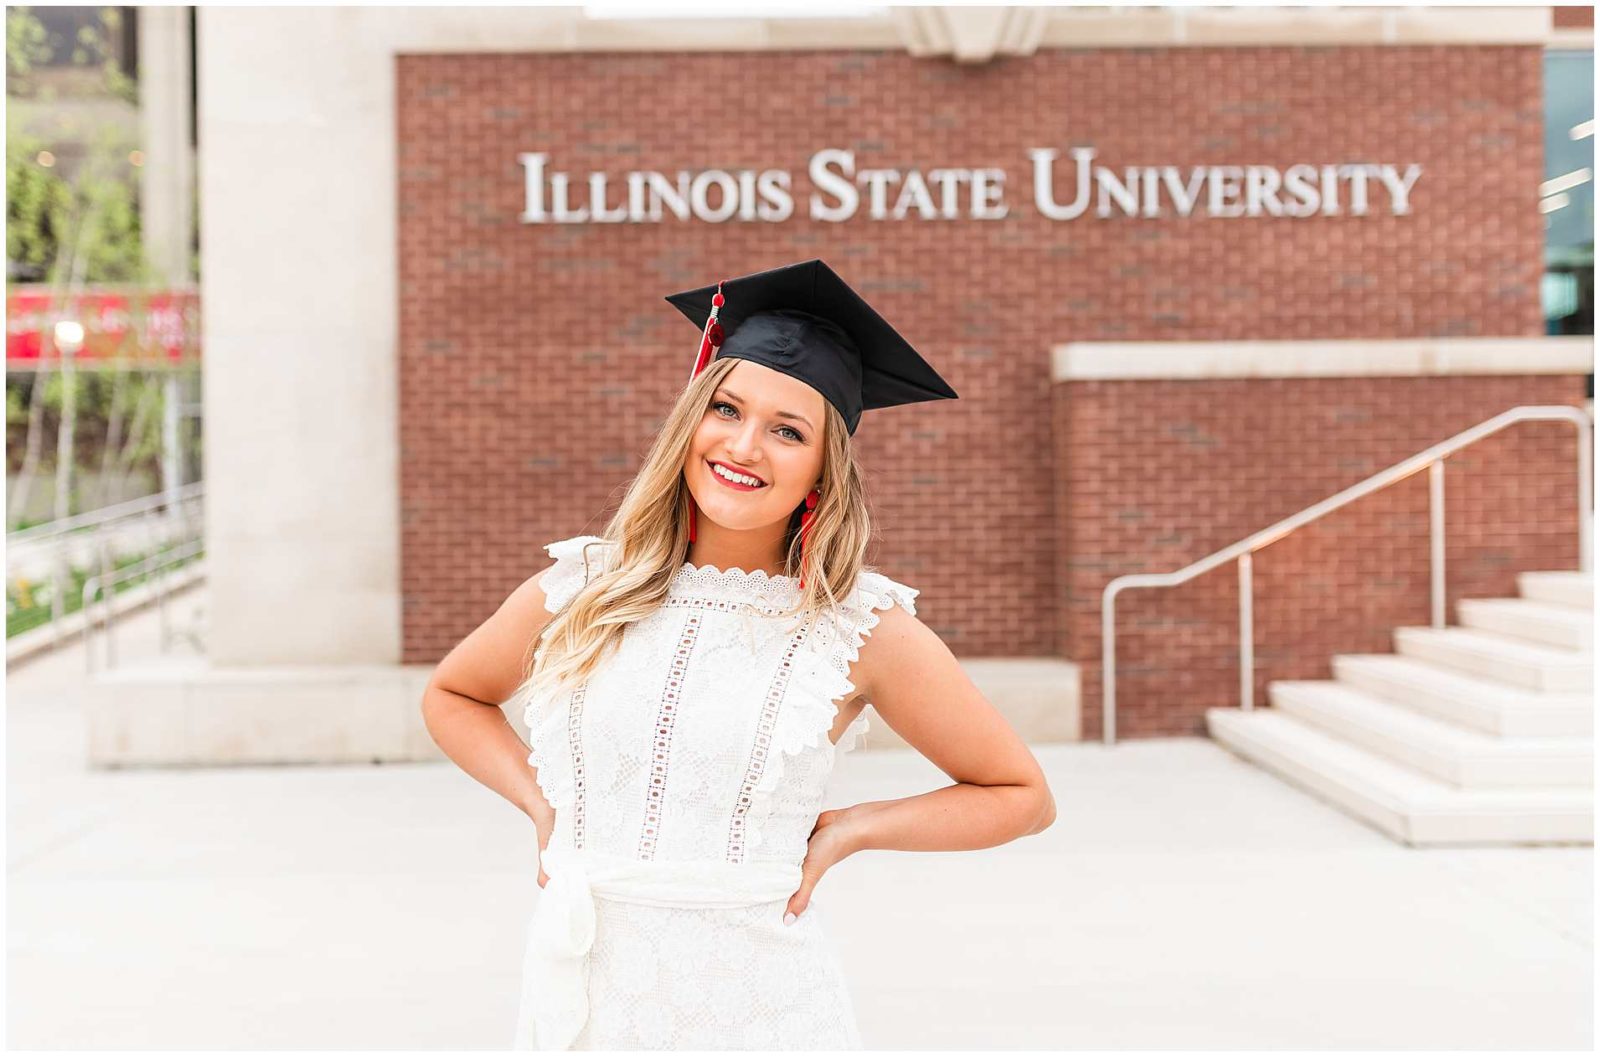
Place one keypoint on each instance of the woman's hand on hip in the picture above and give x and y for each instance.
(544, 824)
(832, 840)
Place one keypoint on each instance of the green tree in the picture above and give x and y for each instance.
(71, 227)
(38, 205)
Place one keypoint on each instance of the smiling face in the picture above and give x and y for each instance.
(764, 428)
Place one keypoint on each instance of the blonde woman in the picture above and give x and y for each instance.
(688, 680)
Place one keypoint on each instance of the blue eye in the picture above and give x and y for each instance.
(718, 405)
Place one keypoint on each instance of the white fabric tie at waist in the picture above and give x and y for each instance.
(555, 987)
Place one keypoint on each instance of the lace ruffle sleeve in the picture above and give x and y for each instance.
(577, 560)
(874, 591)
(821, 677)
(545, 715)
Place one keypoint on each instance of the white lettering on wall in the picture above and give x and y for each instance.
(838, 191)
(835, 183)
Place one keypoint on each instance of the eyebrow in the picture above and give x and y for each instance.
(780, 414)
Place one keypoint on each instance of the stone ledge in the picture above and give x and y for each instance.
(188, 713)
(1039, 696)
(1081, 361)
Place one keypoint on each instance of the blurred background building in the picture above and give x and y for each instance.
(103, 468)
(1191, 270)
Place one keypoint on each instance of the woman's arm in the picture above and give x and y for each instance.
(917, 686)
(461, 704)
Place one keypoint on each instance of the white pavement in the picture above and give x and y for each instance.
(1184, 899)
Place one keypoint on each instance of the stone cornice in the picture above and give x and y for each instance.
(1081, 361)
(977, 34)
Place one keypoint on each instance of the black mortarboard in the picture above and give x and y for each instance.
(803, 320)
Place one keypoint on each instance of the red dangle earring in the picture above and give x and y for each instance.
(812, 498)
(710, 341)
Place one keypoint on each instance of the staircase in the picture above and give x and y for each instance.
(1481, 734)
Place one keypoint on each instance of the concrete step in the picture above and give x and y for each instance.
(1562, 588)
(1466, 700)
(1399, 801)
(1545, 623)
(1517, 663)
(1454, 754)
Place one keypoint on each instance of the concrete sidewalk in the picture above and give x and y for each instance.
(1183, 899)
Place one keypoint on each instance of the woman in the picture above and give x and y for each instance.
(695, 673)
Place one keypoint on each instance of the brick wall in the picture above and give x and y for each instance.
(1228, 457)
(1572, 17)
(536, 360)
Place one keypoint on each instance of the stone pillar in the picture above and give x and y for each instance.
(166, 181)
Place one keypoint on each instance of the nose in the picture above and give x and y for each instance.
(745, 444)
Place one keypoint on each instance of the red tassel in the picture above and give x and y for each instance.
(711, 338)
(805, 528)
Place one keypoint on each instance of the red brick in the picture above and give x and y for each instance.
(537, 360)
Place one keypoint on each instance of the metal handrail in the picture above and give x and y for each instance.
(92, 527)
(104, 515)
(1430, 458)
(99, 581)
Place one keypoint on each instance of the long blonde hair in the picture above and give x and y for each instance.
(649, 537)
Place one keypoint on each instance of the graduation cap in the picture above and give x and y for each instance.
(803, 320)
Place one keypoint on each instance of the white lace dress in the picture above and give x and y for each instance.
(686, 775)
